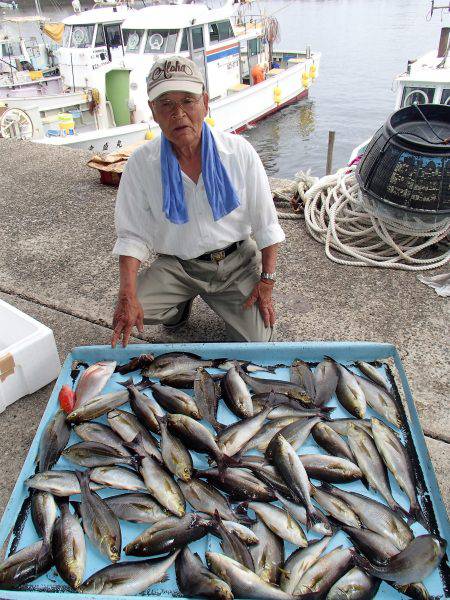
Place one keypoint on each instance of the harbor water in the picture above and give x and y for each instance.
(364, 45)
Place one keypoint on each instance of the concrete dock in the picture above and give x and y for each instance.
(56, 237)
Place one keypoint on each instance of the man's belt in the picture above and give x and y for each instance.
(218, 255)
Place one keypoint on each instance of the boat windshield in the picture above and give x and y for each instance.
(10, 49)
(445, 97)
(417, 95)
(161, 41)
(82, 36)
(132, 39)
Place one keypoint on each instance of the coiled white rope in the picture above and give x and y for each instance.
(336, 216)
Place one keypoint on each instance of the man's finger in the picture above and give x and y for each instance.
(265, 315)
(140, 323)
(272, 316)
(126, 335)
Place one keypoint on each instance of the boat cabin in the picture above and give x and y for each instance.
(225, 50)
(91, 39)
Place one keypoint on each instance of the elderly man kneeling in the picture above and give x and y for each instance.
(194, 195)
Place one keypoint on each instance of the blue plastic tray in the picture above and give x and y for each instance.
(17, 515)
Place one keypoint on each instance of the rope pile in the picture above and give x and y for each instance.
(336, 216)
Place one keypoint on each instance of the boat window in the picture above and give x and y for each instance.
(219, 31)
(11, 49)
(161, 41)
(445, 98)
(66, 36)
(417, 95)
(197, 37)
(132, 39)
(254, 46)
(184, 42)
(100, 36)
(113, 37)
(82, 36)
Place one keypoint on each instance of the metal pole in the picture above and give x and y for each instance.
(331, 136)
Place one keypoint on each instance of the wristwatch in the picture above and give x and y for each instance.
(269, 276)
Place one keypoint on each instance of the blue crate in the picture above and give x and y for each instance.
(50, 585)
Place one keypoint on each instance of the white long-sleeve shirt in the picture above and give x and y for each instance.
(142, 225)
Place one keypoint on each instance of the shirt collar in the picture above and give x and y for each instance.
(219, 142)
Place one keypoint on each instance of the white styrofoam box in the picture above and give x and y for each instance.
(28, 356)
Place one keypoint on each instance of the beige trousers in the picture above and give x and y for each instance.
(166, 287)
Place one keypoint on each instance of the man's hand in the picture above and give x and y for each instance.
(128, 313)
(262, 293)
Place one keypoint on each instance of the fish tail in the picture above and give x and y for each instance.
(360, 561)
(416, 513)
(326, 410)
(217, 361)
(241, 514)
(128, 383)
(83, 478)
(225, 461)
(218, 427)
(312, 517)
(144, 383)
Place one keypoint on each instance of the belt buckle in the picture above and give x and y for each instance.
(218, 255)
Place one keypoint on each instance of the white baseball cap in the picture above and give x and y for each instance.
(174, 74)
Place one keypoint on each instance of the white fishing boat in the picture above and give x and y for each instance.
(92, 43)
(425, 81)
(225, 42)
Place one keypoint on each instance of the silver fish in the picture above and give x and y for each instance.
(340, 426)
(128, 578)
(325, 572)
(205, 498)
(242, 531)
(185, 380)
(335, 507)
(232, 439)
(331, 441)
(354, 585)
(173, 363)
(98, 406)
(301, 375)
(197, 437)
(174, 454)
(291, 469)
(194, 579)
(53, 441)
(243, 582)
(96, 432)
(99, 522)
(295, 434)
(43, 514)
(349, 393)
(69, 548)
(285, 410)
(95, 454)
(146, 409)
(92, 381)
(267, 432)
(374, 546)
(161, 485)
(280, 522)
(268, 554)
(206, 398)
(325, 380)
(128, 427)
(120, 478)
(239, 484)
(25, 566)
(236, 394)
(299, 513)
(375, 516)
(331, 469)
(138, 508)
(382, 401)
(267, 473)
(249, 367)
(411, 565)
(260, 386)
(397, 461)
(260, 401)
(231, 545)
(175, 401)
(371, 464)
(58, 483)
(371, 372)
(299, 562)
(168, 535)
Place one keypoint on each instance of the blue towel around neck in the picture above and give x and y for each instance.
(221, 195)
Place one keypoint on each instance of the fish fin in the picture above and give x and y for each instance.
(312, 517)
(76, 506)
(218, 427)
(417, 515)
(144, 383)
(217, 361)
(327, 410)
(83, 478)
(325, 487)
(224, 462)
(164, 578)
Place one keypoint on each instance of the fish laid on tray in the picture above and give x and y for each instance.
(261, 490)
